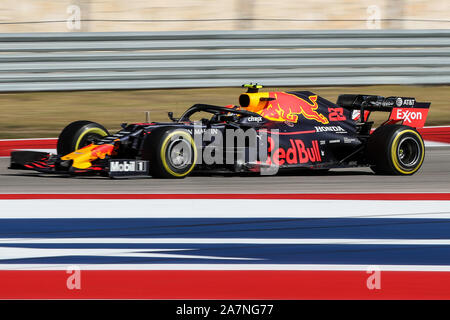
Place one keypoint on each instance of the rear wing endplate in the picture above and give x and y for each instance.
(405, 110)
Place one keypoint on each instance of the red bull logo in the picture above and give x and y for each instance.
(287, 107)
(297, 153)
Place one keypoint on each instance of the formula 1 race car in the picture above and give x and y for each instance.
(267, 132)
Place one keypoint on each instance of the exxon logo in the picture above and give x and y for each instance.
(408, 116)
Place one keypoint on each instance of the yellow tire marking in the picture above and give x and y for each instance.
(394, 155)
(163, 153)
(98, 131)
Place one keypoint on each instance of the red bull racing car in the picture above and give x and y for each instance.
(266, 132)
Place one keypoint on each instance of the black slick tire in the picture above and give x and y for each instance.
(79, 134)
(395, 150)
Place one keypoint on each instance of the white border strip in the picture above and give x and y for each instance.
(428, 127)
(227, 267)
(306, 241)
(38, 150)
(435, 144)
(222, 208)
(28, 139)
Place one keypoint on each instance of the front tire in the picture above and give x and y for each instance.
(395, 150)
(172, 153)
(79, 134)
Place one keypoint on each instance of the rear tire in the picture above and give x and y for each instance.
(79, 134)
(395, 150)
(172, 153)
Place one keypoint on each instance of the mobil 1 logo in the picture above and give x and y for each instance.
(125, 167)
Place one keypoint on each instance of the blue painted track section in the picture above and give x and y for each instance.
(240, 228)
(361, 228)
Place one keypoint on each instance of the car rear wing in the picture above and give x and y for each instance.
(405, 110)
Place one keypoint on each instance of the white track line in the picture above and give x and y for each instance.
(229, 267)
(434, 144)
(28, 139)
(222, 208)
(223, 241)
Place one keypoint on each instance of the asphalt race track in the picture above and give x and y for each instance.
(434, 176)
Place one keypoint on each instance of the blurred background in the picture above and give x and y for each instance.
(110, 61)
(182, 15)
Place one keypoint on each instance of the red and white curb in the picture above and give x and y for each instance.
(43, 144)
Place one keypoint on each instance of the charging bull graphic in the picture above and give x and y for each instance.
(83, 157)
(282, 106)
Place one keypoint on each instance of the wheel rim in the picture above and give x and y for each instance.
(179, 153)
(88, 139)
(408, 152)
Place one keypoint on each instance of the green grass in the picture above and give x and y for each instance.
(44, 114)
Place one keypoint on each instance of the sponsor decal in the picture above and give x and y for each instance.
(118, 166)
(337, 129)
(409, 115)
(334, 141)
(202, 131)
(128, 167)
(387, 103)
(297, 153)
(254, 119)
(408, 102)
(414, 117)
(349, 140)
(405, 102)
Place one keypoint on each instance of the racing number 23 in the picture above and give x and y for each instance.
(336, 114)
